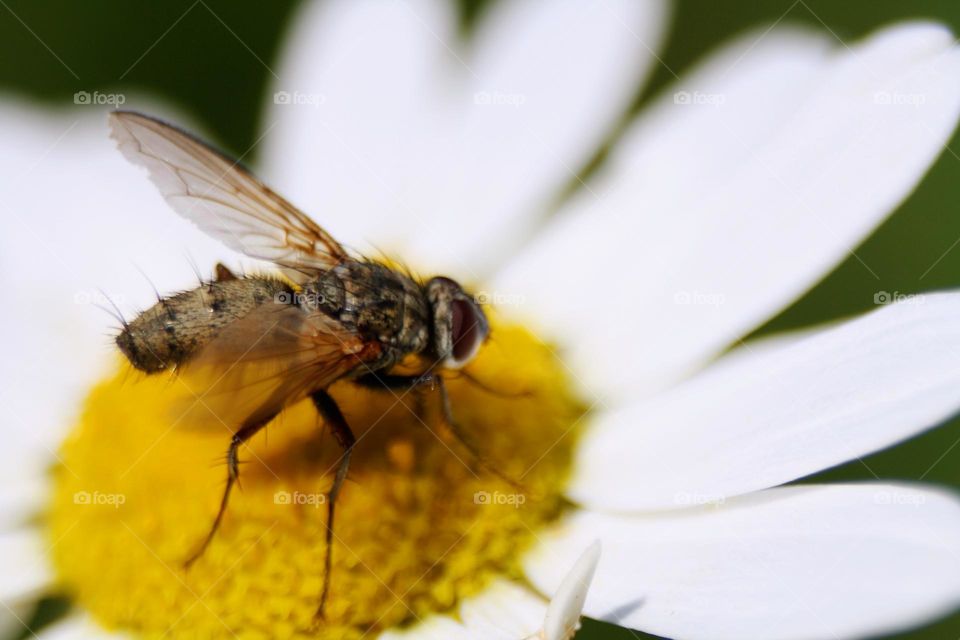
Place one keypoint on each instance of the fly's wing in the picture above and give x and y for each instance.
(224, 199)
(269, 359)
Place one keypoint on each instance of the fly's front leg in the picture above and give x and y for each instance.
(466, 440)
(247, 431)
(435, 381)
(332, 415)
(383, 381)
(398, 383)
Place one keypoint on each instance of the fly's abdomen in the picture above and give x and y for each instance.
(171, 331)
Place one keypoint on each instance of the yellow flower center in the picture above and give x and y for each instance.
(419, 523)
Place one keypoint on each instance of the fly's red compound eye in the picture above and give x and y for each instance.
(460, 326)
(468, 330)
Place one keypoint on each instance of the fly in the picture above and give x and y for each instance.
(333, 317)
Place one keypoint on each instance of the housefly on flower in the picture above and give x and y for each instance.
(271, 342)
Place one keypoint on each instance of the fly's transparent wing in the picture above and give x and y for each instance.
(271, 358)
(225, 200)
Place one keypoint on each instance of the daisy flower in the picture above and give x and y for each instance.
(633, 412)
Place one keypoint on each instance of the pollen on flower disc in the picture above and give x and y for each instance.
(420, 524)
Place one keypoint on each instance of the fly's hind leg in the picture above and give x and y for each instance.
(247, 431)
(332, 415)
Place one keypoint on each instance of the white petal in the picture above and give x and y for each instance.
(811, 562)
(356, 157)
(79, 223)
(23, 487)
(507, 610)
(26, 572)
(711, 217)
(433, 628)
(566, 607)
(79, 627)
(546, 83)
(437, 149)
(503, 611)
(757, 419)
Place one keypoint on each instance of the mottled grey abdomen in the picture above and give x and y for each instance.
(171, 331)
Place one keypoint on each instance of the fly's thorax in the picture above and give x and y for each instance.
(177, 327)
(377, 302)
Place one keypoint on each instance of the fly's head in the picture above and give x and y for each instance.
(459, 324)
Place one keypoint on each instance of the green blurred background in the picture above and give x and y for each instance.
(211, 58)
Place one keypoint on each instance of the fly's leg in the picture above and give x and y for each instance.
(332, 415)
(233, 474)
(435, 381)
(465, 440)
(399, 383)
(385, 381)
